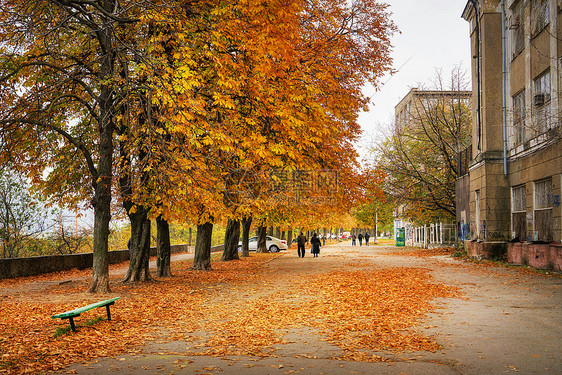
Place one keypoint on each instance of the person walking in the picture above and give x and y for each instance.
(323, 240)
(367, 238)
(353, 237)
(315, 242)
(301, 241)
(360, 238)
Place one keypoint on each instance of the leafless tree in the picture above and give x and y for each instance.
(420, 158)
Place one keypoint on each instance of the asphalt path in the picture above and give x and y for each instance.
(509, 321)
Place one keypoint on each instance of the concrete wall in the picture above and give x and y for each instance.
(20, 267)
(462, 193)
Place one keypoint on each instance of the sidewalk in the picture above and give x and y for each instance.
(504, 321)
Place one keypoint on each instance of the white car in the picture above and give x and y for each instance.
(272, 243)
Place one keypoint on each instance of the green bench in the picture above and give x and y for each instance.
(70, 315)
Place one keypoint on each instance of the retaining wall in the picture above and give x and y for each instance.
(19, 267)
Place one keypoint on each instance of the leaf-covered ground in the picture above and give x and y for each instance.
(243, 307)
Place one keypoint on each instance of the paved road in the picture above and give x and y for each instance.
(509, 322)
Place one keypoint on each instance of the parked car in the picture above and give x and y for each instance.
(273, 244)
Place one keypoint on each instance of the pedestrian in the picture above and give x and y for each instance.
(353, 237)
(367, 238)
(360, 238)
(324, 240)
(301, 241)
(315, 242)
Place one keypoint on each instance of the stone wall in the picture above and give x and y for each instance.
(20, 267)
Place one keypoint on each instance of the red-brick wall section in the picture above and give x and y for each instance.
(545, 256)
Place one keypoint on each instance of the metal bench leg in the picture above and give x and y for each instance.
(108, 312)
(71, 320)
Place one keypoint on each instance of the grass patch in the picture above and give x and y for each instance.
(461, 253)
(91, 322)
(61, 331)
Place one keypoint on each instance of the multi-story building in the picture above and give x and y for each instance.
(515, 174)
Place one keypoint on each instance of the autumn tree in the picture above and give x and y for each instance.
(60, 89)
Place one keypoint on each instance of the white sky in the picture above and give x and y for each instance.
(433, 36)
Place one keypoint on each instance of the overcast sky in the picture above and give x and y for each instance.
(433, 35)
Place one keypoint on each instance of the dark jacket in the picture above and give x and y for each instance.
(301, 239)
(360, 237)
(315, 242)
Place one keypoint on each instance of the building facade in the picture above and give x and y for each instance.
(515, 172)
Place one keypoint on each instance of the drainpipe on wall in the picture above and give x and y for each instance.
(504, 89)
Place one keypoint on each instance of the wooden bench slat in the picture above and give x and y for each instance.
(78, 311)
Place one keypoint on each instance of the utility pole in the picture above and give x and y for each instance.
(376, 225)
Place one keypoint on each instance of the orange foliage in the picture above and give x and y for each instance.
(245, 307)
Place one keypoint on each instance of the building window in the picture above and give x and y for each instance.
(519, 213)
(541, 101)
(519, 118)
(543, 210)
(517, 27)
(540, 15)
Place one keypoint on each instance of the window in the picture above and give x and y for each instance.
(541, 101)
(543, 210)
(519, 118)
(542, 87)
(540, 15)
(517, 27)
(543, 194)
(518, 212)
(518, 200)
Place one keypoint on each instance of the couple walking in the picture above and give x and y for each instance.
(360, 238)
(314, 242)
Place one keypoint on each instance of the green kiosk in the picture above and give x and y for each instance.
(400, 237)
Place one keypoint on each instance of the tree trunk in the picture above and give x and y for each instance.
(231, 238)
(102, 186)
(290, 237)
(163, 250)
(140, 247)
(262, 248)
(100, 266)
(270, 231)
(202, 257)
(246, 224)
(278, 232)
